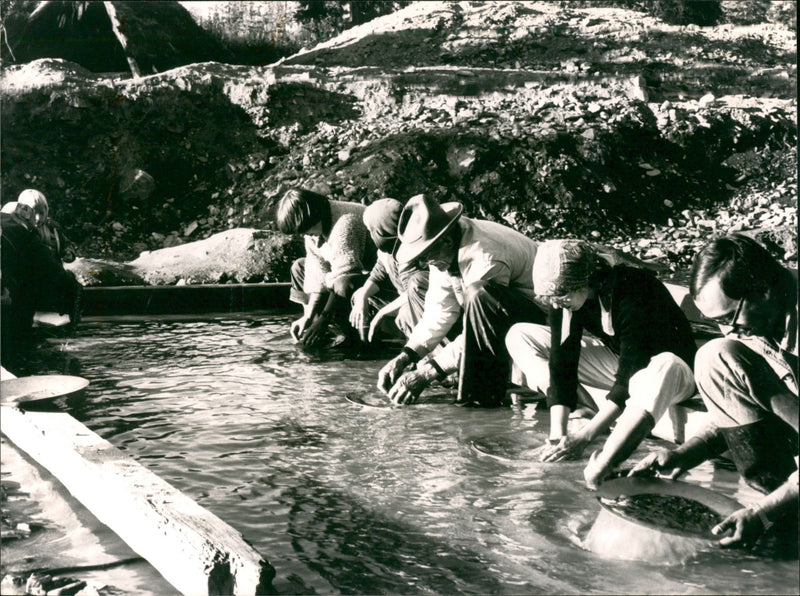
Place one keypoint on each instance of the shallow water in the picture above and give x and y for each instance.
(347, 499)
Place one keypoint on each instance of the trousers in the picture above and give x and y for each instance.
(490, 309)
(665, 381)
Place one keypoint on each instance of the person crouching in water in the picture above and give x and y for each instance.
(30, 273)
(641, 352)
(479, 274)
(748, 382)
(48, 229)
(391, 288)
(338, 250)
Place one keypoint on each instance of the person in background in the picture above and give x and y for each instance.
(480, 273)
(390, 289)
(30, 272)
(641, 352)
(748, 381)
(338, 254)
(48, 229)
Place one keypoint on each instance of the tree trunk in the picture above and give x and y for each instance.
(123, 41)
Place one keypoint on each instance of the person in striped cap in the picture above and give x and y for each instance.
(639, 354)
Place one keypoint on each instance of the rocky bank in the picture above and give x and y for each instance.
(560, 121)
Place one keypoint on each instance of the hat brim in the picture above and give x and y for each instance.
(408, 251)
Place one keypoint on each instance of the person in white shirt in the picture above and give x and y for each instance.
(338, 255)
(481, 273)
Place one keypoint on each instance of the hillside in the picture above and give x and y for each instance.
(595, 122)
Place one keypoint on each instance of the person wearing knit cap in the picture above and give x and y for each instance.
(480, 275)
(338, 254)
(390, 289)
(641, 351)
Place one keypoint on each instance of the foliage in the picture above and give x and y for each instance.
(324, 18)
(255, 32)
(783, 12)
(682, 12)
(328, 18)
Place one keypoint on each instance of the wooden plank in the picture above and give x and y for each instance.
(194, 550)
(191, 299)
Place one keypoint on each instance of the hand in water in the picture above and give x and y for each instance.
(665, 462)
(568, 447)
(746, 527)
(408, 387)
(315, 332)
(390, 372)
(298, 328)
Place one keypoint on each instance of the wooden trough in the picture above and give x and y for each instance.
(194, 550)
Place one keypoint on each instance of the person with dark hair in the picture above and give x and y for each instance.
(391, 288)
(30, 273)
(480, 273)
(748, 381)
(338, 251)
(640, 354)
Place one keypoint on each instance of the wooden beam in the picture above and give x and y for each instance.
(193, 549)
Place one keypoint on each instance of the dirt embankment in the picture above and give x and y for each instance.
(600, 123)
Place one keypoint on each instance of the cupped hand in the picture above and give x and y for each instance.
(376, 320)
(297, 328)
(358, 314)
(408, 388)
(390, 372)
(315, 332)
(745, 525)
(665, 462)
(568, 447)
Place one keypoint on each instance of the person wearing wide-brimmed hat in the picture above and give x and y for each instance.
(338, 254)
(391, 289)
(748, 380)
(641, 352)
(480, 273)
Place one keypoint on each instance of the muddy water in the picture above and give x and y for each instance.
(341, 498)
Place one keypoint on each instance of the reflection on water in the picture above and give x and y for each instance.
(346, 498)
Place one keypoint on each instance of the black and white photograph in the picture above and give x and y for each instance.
(395, 297)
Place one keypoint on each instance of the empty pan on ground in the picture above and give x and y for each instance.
(25, 390)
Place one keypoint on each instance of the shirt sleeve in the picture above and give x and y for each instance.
(379, 276)
(631, 319)
(344, 248)
(449, 357)
(441, 312)
(485, 268)
(316, 267)
(564, 358)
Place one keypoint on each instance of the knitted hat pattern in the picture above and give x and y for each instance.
(381, 219)
(562, 266)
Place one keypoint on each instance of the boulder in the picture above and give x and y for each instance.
(237, 255)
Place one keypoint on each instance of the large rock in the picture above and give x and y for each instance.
(238, 255)
(99, 272)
